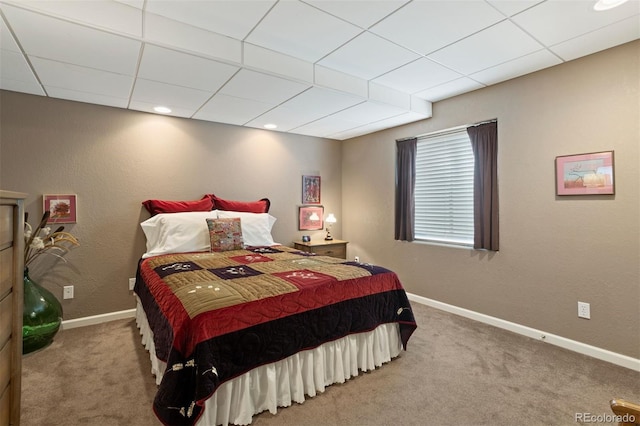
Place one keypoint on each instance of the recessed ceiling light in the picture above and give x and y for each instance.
(270, 126)
(607, 4)
(162, 109)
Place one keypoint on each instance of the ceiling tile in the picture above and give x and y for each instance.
(612, 35)
(82, 79)
(322, 101)
(369, 112)
(75, 44)
(30, 87)
(7, 42)
(13, 65)
(450, 89)
(324, 127)
(107, 14)
(168, 95)
(176, 111)
(181, 69)
(417, 75)
(517, 67)
(302, 31)
(368, 56)
(407, 117)
(285, 118)
(90, 98)
(426, 26)
(497, 44)
(138, 4)
(363, 13)
(231, 18)
(343, 82)
(228, 109)
(16, 75)
(511, 7)
(309, 106)
(555, 21)
(170, 33)
(262, 87)
(389, 95)
(277, 63)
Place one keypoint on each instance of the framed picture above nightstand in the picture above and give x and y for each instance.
(333, 248)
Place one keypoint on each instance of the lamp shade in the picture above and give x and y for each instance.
(314, 216)
(331, 218)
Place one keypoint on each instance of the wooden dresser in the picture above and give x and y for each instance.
(11, 300)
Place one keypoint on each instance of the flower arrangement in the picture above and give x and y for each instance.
(41, 240)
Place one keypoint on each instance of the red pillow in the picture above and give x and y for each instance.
(165, 206)
(260, 206)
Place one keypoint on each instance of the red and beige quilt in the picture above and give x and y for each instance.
(215, 316)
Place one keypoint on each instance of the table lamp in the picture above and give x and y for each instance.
(331, 219)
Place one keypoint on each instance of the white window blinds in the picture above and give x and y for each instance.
(444, 188)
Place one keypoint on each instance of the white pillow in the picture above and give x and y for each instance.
(256, 227)
(177, 233)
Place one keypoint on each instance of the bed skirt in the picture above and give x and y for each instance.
(281, 383)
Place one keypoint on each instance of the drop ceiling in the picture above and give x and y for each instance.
(332, 69)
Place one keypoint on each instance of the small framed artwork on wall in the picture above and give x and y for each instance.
(585, 174)
(63, 208)
(310, 189)
(310, 218)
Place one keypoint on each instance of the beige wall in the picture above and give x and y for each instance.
(114, 159)
(554, 251)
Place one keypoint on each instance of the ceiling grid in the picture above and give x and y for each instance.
(332, 69)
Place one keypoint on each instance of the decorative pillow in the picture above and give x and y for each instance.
(260, 206)
(256, 227)
(166, 206)
(225, 234)
(177, 233)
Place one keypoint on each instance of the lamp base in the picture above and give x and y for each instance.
(328, 237)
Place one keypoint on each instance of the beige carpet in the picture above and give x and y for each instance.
(455, 372)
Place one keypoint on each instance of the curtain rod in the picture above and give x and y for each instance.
(452, 129)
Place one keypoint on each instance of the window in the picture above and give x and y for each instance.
(448, 191)
(444, 188)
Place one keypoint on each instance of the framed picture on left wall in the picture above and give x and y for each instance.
(310, 189)
(63, 207)
(310, 218)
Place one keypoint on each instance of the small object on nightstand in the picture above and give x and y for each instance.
(333, 248)
(306, 238)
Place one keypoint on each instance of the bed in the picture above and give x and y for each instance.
(238, 325)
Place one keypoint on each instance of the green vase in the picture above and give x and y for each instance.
(41, 318)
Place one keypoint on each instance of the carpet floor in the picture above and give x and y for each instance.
(455, 372)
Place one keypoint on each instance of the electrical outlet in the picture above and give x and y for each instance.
(584, 310)
(132, 283)
(67, 292)
(357, 259)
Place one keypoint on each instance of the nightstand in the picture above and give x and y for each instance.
(333, 248)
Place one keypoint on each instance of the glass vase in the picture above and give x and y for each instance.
(41, 318)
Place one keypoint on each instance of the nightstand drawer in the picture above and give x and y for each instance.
(333, 248)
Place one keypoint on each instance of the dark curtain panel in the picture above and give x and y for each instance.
(484, 142)
(405, 186)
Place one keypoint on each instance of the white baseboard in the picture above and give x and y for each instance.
(98, 319)
(563, 342)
